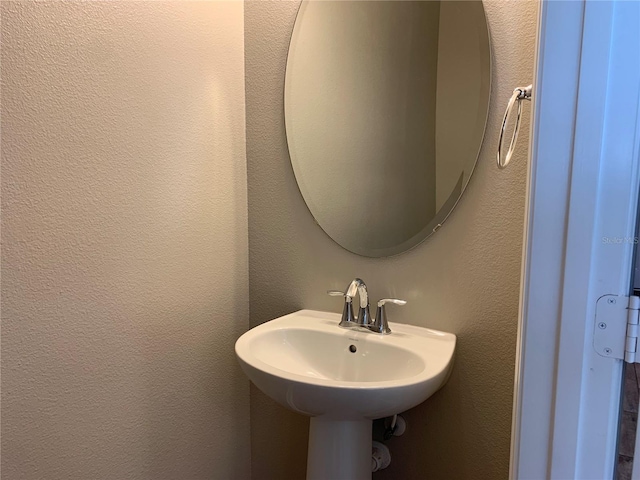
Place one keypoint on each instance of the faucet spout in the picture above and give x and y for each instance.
(359, 287)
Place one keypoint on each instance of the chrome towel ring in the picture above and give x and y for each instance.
(519, 94)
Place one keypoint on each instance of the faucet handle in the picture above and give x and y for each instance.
(380, 325)
(348, 319)
(397, 301)
(336, 293)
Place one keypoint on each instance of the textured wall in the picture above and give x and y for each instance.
(124, 241)
(463, 280)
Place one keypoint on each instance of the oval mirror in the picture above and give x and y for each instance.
(385, 109)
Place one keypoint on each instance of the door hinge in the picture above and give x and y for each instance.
(616, 328)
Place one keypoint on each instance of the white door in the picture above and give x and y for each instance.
(579, 237)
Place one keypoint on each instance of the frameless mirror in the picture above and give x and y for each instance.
(385, 109)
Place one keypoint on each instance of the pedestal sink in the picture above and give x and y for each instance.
(343, 379)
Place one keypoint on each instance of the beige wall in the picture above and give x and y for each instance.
(124, 241)
(463, 280)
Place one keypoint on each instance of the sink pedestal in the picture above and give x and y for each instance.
(308, 364)
(339, 449)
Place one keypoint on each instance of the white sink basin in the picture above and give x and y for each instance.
(343, 379)
(305, 362)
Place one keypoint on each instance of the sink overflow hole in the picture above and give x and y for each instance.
(352, 348)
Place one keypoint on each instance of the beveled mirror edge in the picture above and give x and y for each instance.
(443, 215)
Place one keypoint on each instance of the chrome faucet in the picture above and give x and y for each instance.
(364, 316)
(349, 320)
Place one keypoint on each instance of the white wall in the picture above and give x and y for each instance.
(124, 241)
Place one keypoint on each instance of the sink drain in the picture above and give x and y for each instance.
(352, 348)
